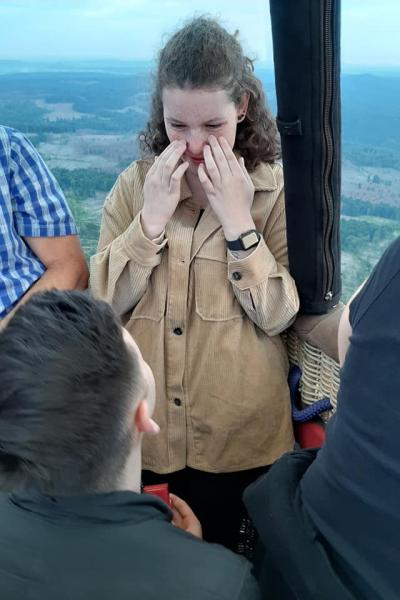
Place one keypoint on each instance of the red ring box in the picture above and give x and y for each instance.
(160, 490)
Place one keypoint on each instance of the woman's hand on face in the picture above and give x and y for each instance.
(162, 189)
(228, 186)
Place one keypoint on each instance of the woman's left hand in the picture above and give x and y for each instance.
(228, 187)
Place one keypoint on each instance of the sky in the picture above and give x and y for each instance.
(135, 29)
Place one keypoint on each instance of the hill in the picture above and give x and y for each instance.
(84, 117)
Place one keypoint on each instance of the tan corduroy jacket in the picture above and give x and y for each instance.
(206, 323)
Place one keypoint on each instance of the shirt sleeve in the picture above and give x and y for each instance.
(39, 206)
(384, 271)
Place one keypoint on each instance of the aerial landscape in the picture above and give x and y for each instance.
(84, 117)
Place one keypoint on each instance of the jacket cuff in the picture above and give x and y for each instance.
(252, 270)
(141, 249)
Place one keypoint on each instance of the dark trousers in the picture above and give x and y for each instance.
(215, 498)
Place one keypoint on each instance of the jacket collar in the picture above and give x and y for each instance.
(114, 507)
(262, 177)
(263, 180)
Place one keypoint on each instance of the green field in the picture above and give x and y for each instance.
(84, 118)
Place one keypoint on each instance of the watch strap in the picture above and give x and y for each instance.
(240, 244)
(235, 244)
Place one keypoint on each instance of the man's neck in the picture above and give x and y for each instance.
(131, 476)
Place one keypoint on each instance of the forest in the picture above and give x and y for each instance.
(85, 116)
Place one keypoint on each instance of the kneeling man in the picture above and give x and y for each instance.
(75, 398)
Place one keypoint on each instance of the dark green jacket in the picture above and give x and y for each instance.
(115, 546)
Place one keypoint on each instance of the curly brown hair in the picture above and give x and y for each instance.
(203, 54)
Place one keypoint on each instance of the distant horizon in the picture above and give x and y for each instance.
(351, 68)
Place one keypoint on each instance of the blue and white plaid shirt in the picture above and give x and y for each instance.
(31, 205)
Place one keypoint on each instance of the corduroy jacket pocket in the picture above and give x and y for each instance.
(215, 299)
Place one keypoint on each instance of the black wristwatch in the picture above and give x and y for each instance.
(247, 240)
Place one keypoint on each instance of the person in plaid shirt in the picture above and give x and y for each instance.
(39, 245)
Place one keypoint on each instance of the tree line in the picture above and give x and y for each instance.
(354, 207)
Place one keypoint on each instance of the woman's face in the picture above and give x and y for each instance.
(193, 115)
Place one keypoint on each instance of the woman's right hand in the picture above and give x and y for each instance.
(162, 189)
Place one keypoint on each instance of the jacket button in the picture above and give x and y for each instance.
(236, 276)
(178, 331)
(178, 401)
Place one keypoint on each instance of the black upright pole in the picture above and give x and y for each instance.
(306, 40)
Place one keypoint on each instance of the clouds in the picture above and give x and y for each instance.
(135, 29)
(130, 29)
(370, 32)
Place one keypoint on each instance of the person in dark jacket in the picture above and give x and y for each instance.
(75, 398)
(329, 520)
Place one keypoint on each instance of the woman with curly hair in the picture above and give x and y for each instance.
(193, 256)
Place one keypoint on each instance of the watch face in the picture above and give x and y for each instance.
(249, 240)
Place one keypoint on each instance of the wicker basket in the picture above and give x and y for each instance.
(320, 373)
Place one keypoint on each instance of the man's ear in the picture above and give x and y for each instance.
(142, 421)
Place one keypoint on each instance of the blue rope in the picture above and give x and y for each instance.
(309, 412)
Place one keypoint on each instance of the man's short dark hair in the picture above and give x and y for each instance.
(67, 382)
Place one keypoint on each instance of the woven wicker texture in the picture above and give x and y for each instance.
(320, 373)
